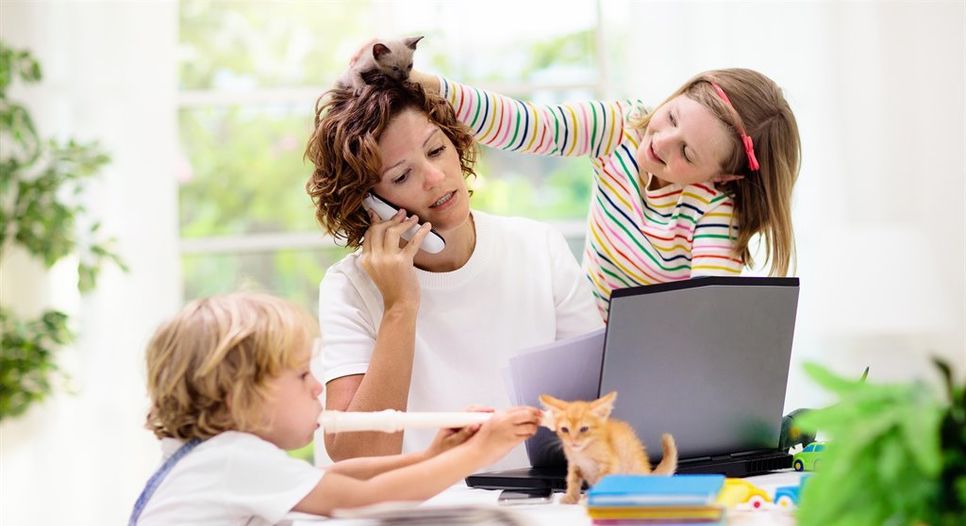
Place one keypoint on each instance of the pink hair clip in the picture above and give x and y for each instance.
(750, 152)
(745, 138)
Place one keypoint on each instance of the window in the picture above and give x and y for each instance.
(250, 73)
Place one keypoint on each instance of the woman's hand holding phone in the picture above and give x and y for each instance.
(433, 243)
(390, 265)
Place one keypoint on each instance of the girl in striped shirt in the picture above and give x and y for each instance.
(678, 191)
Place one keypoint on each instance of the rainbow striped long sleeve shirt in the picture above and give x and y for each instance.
(635, 235)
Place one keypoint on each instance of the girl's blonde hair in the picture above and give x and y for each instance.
(209, 366)
(763, 200)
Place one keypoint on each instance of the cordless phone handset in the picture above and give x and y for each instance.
(433, 243)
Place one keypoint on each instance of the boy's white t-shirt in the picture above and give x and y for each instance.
(232, 478)
(522, 287)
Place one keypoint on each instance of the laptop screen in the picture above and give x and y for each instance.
(704, 359)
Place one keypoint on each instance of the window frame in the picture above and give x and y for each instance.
(574, 230)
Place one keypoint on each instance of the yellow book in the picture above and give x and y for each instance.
(656, 512)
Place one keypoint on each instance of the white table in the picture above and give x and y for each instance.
(572, 514)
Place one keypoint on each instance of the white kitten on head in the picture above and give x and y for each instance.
(392, 58)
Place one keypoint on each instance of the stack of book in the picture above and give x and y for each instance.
(654, 499)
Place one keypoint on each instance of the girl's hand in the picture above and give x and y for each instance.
(447, 439)
(389, 264)
(505, 430)
(430, 83)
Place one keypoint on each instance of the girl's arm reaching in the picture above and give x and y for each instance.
(573, 129)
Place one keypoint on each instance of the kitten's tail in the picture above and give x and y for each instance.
(669, 462)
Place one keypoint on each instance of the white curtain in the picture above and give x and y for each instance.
(109, 75)
(877, 89)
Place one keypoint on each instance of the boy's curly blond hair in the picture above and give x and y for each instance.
(209, 366)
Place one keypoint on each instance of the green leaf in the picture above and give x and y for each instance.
(885, 458)
(830, 380)
(890, 461)
(27, 358)
(39, 180)
(920, 429)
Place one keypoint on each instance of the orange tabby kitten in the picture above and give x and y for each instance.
(596, 446)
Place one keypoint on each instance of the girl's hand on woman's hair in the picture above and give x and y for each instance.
(430, 83)
(390, 265)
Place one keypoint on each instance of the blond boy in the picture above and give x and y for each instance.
(231, 390)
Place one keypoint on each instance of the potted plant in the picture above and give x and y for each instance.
(896, 453)
(39, 183)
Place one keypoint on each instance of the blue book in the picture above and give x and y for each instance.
(655, 490)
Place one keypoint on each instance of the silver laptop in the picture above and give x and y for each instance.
(704, 359)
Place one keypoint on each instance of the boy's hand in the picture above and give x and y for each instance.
(505, 430)
(449, 438)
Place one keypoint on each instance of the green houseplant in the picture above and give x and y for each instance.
(39, 183)
(896, 456)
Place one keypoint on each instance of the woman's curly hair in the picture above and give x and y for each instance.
(345, 152)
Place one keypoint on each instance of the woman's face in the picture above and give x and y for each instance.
(421, 172)
(684, 143)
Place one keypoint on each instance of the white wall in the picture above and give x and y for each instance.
(109, 74)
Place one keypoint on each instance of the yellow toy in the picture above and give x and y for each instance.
(741, 494)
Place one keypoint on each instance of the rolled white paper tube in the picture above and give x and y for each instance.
(391, 420)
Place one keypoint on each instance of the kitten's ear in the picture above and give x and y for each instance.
(411, 42)
(604, 405)
(379, 49)
(551, 403)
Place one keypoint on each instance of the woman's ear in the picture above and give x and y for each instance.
(725, 178)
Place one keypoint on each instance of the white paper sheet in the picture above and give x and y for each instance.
(566, 369)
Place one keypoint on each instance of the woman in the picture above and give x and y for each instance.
(405, 329)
